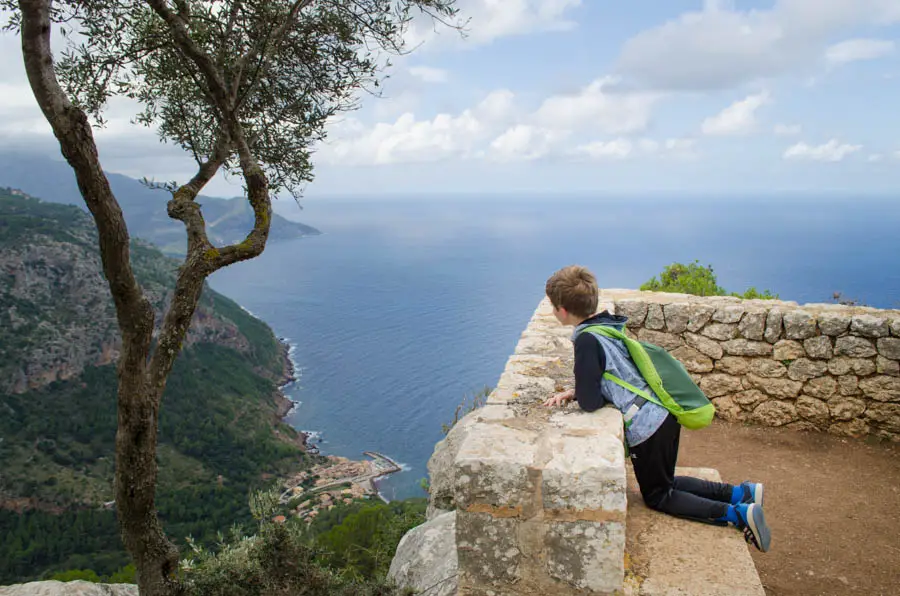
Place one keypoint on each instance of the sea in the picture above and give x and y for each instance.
(406, 306)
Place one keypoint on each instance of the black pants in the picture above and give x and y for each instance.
(654, 467)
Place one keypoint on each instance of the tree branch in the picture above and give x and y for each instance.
(72, 129)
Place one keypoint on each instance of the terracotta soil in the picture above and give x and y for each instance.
(833, 505)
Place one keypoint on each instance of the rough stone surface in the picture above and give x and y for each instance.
(834, 324)
(677, 315)
(870, 326)
(853, 428)
(819, 347)
(854, 347)
(705, 345)
(885, 416)
(728, 314)
(804, 369)
(716, 385)
(775, 413)
(780, 388)
(895, 326)
(814, 410)
(693, 360)
(598, 464)
(426, 558)
(733, 365)
(822, 387)
(745, 347)
(579, 554)
(763, 367)
(727, 409)
(846, 408)
(788, 349)
(774, 325)
(881, 388)
(487, 549)
(753, 325)
(749, 398)
(635, 310)
(655, 319)
(848, 385)
(669, 341)
(720, 331)
(700, 315)
(883, 366)
(704, 551)
(843, 365)
(799, 324)
(75, 588)
(889, 348)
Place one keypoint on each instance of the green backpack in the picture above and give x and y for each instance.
(666, 376)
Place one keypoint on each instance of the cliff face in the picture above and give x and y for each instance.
(56, 313)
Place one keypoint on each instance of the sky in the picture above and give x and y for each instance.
(590, 97)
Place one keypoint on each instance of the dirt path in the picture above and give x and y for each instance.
(833, 506)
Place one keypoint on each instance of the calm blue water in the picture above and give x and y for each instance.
(404, 306)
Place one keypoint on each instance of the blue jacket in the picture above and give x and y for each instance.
(619, 363)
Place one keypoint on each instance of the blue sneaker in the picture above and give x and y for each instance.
(753, 493)
(752, 521)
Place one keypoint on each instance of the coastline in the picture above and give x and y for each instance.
(283, 405)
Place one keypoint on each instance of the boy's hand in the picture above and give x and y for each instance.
(560, 398)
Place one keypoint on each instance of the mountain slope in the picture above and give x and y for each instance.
(228, 220)
(220, 429)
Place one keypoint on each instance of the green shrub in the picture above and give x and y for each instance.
(697, 280)
(88, 575)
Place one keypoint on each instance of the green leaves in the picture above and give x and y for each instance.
(697, 280)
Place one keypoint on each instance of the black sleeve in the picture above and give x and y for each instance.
(590, 364)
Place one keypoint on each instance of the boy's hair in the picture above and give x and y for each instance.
(574, 288)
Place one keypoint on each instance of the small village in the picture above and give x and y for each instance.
(340, 480)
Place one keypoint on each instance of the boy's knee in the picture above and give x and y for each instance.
(655, 499)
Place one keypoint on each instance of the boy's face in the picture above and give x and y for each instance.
(562, 315)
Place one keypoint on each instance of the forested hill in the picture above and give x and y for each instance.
(220, 432)
(227, 220)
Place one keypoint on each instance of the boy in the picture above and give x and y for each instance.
(653, 433)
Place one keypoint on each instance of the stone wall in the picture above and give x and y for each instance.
(820, 367)
(539, 494)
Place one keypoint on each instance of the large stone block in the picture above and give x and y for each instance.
(804, 369)
(491, 470)
(883, 366)
(854, 347)
(753, 325)
(587, 555)
(635, 310)
(814, 410)
(870, 326)
(889, 348)
(716, 385)
(705, 345)
(780, 388)
(727, 409)
(846, 408)
(720, 331)
(885, 416)
(848, 385)
(73, 588)
(655, 319)
(733, 365)
(774, 325)
(488, 549)
(700, 316)
(799, 324)
(728, 314)
(764, 367)
(585, 477)
(426, 558)
(841, 365)
(693, 360)
(822, 387)
(881, 388)
(677, 315)
(669, 341)
(834, 324)
(819, 347)
(788, 349)
(745, 347)
(775, 413)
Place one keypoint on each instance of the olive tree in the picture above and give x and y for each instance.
(243, 86)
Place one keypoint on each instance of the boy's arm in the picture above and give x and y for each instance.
(590, 364)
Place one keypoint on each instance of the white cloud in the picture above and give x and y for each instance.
(595, 107)
(428, 74)
(487, 20)
(854, 50)
(720, 47)
(524, 142)
(617, 148)
(737, 119)
(832, 151)
(788, 130)
(876, 157)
